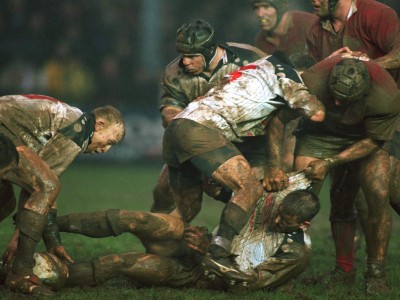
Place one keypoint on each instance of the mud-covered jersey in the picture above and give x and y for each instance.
(375, 116)
(179, 88)
(274, 257)
(57, 132)
(241, 104)
(293, 39)
(372, 28)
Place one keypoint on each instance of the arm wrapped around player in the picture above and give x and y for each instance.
(51, 234)
(51, 237)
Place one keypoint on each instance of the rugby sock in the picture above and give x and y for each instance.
(343, 235)
(95, 224)
(81, 273)
(23, 262)
(31, 225)
(233, 219)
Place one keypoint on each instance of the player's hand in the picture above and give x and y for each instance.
(61, 253)
(340, 51)
(9, 253)
(196, 238)
(317, 169)
(275, 180)
(356, 55)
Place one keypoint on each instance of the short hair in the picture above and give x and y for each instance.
(304, 204)
(8, 152)
(111, 115)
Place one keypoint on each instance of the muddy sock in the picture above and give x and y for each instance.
(31, 225)
(23, 262)
(97, 224)
(81, 274)
(343, 235)
(232, 221)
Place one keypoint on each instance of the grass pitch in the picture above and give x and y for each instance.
(91, 187)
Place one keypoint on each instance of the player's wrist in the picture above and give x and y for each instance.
(332, 161)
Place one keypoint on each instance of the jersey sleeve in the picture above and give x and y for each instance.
(171, 92)
(290, 260)
(59, 153)
(382, 123)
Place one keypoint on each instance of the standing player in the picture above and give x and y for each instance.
(365, 26)
(48, 135)
(362, 110)
(202, 63)
(284, 30)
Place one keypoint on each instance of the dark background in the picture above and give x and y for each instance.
(90, 53)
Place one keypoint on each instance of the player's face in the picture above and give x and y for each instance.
(321, 7)
(105, 137)
(266, 14)
(286, 223)
(193, 64)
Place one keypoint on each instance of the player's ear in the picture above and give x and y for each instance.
(305, 225)
(99, 125)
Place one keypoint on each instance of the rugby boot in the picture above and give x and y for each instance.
(332, 278)
(338, 276)
(28, 284)
(224, 265)
(375, 280)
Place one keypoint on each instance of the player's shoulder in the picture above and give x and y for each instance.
(242, 53)
(372, 5)
(372, 10)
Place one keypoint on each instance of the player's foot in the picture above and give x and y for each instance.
(339, 276)
(27, 284)
(332, 278)
(375, 284)
(226, 268)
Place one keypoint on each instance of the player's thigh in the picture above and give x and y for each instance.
(374, 179)
(35, 176)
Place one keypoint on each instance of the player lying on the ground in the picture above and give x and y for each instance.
(273, 246)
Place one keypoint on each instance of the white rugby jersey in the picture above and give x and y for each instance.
(244, 100)
(37, 121)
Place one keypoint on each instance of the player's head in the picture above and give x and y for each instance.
(325, 8)
(197, 38)
(349, 81)
(296, 211)
(109, 129)
(9, 157)
(269, 12)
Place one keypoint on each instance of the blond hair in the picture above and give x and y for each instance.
(111, 115)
